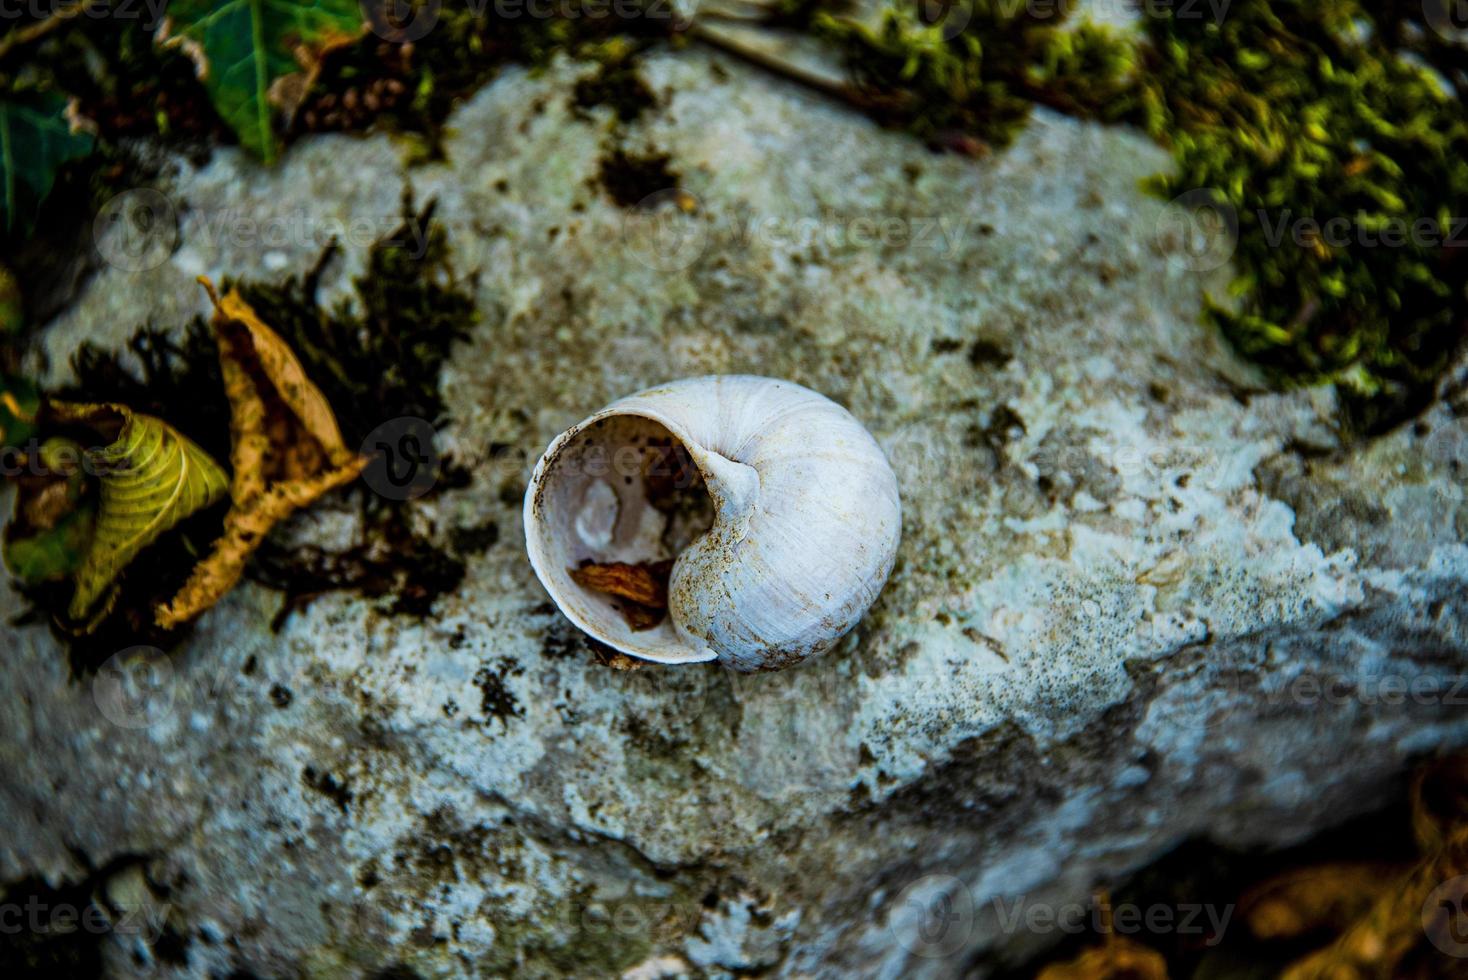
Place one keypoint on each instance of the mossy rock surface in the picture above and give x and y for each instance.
(1119, 551)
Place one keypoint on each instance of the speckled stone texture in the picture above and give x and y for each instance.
(1124, 564)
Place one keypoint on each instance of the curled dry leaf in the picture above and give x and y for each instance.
(1118, 958)
(1381, 942)
(1305, 900)
(254, 356)
(286, 449)
(1384, 923)
(644, 586)
(151, 477)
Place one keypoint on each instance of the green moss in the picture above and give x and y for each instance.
(1279, 111)
(978, 68)
(1291, 110)
(615, 83)
(380, 357)
(176, 379)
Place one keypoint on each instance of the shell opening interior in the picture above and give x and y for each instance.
(629, 498)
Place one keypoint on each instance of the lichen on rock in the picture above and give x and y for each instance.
(1120, 551)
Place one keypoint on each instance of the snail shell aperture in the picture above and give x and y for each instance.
(777, 508)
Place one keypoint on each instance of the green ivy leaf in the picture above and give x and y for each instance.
(259, 57)
(36, 138)
(151, 478)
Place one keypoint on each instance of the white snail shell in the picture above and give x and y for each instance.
(804, 525)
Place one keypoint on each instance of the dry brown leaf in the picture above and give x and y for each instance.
(1328, 896)
(1379, 942)
(244, 529)
(644, 586)
(238, 324)
(286, 449)
(1118, 958)
(1400, 927)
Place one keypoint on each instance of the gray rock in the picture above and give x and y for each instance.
(1124, 566)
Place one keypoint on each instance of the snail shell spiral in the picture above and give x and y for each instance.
(778, 511)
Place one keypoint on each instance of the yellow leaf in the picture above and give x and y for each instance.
(287, 449)
(1402, 920)
(1118, 958)
(151, 478)
(1411, 917)
(244, 528)
(1326, 896)
(239, 328)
